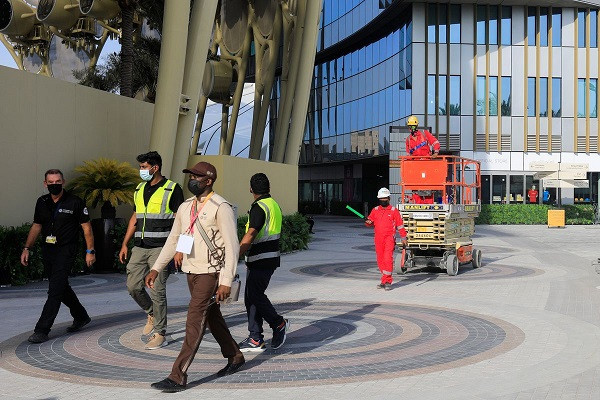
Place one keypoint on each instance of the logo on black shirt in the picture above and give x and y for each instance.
(65, 211)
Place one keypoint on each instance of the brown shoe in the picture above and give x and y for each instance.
(156, 342)
(149, 327)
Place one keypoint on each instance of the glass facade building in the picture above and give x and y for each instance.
(506, 85)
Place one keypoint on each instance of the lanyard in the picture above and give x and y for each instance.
(55, 214)
(195, 213)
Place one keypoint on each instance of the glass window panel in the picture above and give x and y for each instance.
(431, 22)
(402, 36)
(516, 189)
(455, 95)
(376, 58)
(493, 96)
(396, 68)
(442, 28)
(340, 119)
(593, 97)
(556, 97)
(531, 97)
(408, 110)
(506, 104)
(498, 189)
(402, 65)
(534, 184)
(493, 25)
(581, 28)
(543, 97)
(544, 26)
(531, 27)
(480, 95)
(389, 103)
(408, 66)
(395, 42)
(368, 112)
(485, 189)
(361, 113)
(556, 27)
(442, 79)
(506, 27)
(581, 97)
(396, 102)
(431, 94)
(454, 23)
(409, 33)
(593, 28)
(402, 104)
(481, 20)
(382, 107)
(332, 121)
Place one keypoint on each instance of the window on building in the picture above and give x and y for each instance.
(593, 97)
(481, 20)
(581, 97)
(531, 110)
(543, 97)
(593, 28)
(454, 23)
(442, 80)
(506, 26)
(431, 22)
(493, 96)
(493, 24)
(431, 94)
(454, 106)
(498, 189)
(531, 25)
(556, 97)
(516, 189)
(506, 105)
(544, 26)
(485, 189)
(442, 27)
(556, 27)
(529, 184)
(480, 95)
(581, 25)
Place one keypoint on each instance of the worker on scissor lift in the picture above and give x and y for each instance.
(387, 221)
(419, 143)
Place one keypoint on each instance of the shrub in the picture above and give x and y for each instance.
(294, 232)
(532, 214)
(118, 234)
(12, 272)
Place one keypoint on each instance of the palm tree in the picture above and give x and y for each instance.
(128, 8)
(107, 182)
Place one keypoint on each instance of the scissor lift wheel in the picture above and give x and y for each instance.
(452, 265)
(476, 258)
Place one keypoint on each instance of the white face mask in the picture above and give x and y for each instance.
(145, 175)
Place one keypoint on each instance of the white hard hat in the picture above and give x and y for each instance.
(383, 193)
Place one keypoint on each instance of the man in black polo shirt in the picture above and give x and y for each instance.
(57, 217)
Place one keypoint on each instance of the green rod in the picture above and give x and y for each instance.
(354, 211)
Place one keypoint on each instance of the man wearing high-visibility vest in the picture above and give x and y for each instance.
(262, 243)
(156, 202)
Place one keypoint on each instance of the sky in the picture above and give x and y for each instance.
(212, 116)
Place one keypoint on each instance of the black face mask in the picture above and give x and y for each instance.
(384, 203)
(196, 187)
(55, 188)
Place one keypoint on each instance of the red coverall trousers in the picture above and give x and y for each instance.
(387, 221)
(384, 249)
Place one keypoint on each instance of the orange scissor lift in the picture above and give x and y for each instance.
(440, 198)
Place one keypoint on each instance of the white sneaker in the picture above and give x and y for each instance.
(156, 342)
(149, 327)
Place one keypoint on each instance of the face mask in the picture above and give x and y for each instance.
(196, 187)
(384, 203)
(55, 188)
(145, 175)
(413, 130)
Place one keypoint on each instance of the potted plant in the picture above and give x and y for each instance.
(107, 183)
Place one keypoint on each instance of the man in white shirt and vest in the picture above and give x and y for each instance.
(205, 231)
(262, 243)
(156, 202)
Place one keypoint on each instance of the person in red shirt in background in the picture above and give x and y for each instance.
(419, 141)
(533, 195)
(387, 221)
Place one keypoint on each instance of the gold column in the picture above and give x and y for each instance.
(537, 81)
(525, 80)
(499, 79)
(487, 80)
(587, 80)
(576, 76)
(550, 86)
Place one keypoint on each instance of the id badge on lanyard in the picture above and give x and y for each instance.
(51, 239)
(186, 240)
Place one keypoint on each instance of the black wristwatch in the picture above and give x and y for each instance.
(92, 251)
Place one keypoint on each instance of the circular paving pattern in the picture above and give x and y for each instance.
(329, 342)
(368, 270)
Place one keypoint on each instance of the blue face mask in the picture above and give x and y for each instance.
(145, 175)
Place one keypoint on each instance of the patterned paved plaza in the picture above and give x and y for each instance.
(525, 325)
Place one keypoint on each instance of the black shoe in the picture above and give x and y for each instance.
(168, 386)
(380, 286)
(231, 368)
(279, 334)
(77, 325)
(38, 337)
(388, 286)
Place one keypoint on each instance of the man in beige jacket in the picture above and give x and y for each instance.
(209, 272)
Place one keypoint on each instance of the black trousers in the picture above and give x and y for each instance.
(58, 262)
(258, 305)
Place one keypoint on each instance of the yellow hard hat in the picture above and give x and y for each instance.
(412, 121)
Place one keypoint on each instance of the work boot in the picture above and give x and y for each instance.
(38, 337)
(78, 324)
(156, 341)
(149, 327)
(388, 286)
(380, 286)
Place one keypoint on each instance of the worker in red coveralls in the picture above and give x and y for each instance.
(387, 221)
(419, 141)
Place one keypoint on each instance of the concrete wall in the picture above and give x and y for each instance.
(233, 181)
(48, 123)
